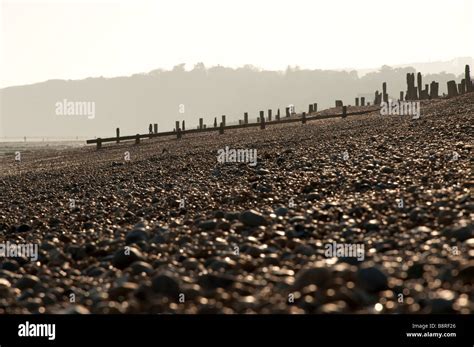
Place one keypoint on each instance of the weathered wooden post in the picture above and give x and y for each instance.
(434, 87)
(215, 122)
(183, 126)
(177, 125)
(357, 101)
(137, 139)
(223, 119)
(401, 96)
(179, 134)
(262, 120)
(150, 129)
(246, 118)
(287, 110)
(269, 115)
(315, 107)
(99, 143)
(201, 123)
(117, 133)
(303, 118)
(155, 128)
(411, 90)
(377, 98)
(221, 128)
(344, 111)
(310, 108)
(467, 77)
(384, 92)
(362, 101)
(419, 81)
(339, 103)
(464, 86)
(452, 89)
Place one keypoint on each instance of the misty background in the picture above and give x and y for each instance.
(126, 55)
(165, 96)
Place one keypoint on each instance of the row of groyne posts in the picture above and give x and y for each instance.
(428, 91)
(418, 92)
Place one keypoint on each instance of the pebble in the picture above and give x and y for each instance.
(208, 224)
(139, 267)
(27, 281)
(252, 218)
(319, 276)
(211, 281)
(124, 257)
(136, 235)
(166, 284)
(372, 279)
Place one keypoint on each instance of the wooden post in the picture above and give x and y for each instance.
(434, 88)
(315, 107)
(411, 90)
(362, 101)
(179, 134)
(183, 126)
(463, 86)
(357, 101)
(155, 128)
(339, 103)
(452, 89)
(215, 122)
(467, 78)
(384, 91)
(344, 111)
(377, 98)
(262, 120)
(117, 133)
(99, 143)
(310, 108)
(221, 128)
(278, 115)
(223, 119)
(137, 139)
(201, 122)
(419, 81)
(177, 125)
(401, 96)
(303, 118)
(269, 115)
(287, 110)
(246, 118)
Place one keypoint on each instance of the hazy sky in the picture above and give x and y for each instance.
(68, 39)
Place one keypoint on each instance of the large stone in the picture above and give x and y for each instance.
(252, 218)
(126, 256)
